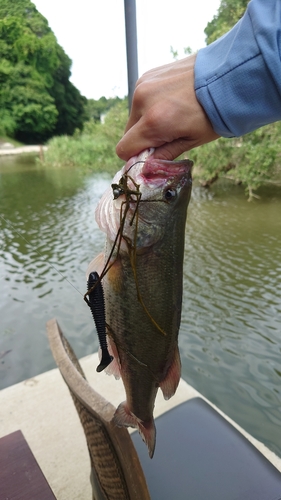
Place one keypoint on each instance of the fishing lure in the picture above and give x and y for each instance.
(96, 304)
(123, 188)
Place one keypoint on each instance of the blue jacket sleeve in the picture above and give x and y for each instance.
(238, 77)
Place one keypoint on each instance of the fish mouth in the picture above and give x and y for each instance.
(158, 172)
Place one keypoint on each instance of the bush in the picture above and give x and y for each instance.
(251, 160)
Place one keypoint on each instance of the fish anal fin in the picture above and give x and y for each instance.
(97, 264)
(171, 381)
(113, 368)
(124, 418)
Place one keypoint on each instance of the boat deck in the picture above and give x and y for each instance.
(43, 410)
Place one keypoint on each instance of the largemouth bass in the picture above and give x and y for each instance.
(143, 215)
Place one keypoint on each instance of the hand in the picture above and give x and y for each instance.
(165, 114)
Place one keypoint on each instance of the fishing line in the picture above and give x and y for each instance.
(38, 253)
(139, 161)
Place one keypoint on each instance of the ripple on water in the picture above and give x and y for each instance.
(231, 321)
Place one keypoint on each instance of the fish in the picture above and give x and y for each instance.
(143, 214)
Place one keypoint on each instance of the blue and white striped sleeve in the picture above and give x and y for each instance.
(238, 77)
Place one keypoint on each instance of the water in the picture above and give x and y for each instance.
(230, 339)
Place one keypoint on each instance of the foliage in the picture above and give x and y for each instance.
(4, 139)
(7, 123)
(68, 100)
(187, 51)
(96, 109)
(94, 147)
(250, 160)
(229, 13)
(37, 99)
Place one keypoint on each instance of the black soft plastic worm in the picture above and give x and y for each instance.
(96, 304)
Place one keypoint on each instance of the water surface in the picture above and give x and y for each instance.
(230, 339)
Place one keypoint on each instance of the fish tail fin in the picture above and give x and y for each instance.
(124, 418)
(147, 432)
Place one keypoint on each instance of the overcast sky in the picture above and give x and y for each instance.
(92, 33)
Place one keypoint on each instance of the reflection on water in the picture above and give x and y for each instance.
(230, 334)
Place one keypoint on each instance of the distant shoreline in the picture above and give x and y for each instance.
(6, 151)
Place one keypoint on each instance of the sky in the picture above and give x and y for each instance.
(92, 33)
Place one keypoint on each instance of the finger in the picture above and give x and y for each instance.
(134, 117)
(170, 151)
(137, 109)
(142, 135)
(132, 143)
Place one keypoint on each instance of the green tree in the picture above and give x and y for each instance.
(70, 104)
(36, 98)
(229, 13)
(95, 109)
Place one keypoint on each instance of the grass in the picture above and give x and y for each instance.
(4, 139)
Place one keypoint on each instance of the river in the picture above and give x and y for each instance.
(230, 340)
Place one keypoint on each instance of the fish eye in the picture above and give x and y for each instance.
(170, 194)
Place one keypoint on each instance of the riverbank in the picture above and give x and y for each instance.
(7, 149)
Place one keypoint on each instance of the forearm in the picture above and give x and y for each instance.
(238, 77)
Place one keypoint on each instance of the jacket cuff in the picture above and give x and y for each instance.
(234, 84)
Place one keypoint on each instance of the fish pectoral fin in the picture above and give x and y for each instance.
(171, 381)
(97, 264)
(124, 418)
